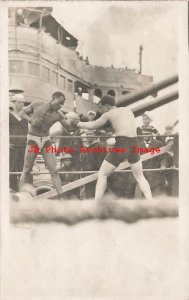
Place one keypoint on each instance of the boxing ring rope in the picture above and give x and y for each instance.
(90, 178)
(97, 136)
(93, 176)
(72, 212)
(91, 172)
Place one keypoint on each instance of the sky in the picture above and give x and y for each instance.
(110, 33)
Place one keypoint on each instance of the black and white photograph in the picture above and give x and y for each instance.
(91, 132)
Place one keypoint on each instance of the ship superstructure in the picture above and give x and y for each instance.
(43, 58)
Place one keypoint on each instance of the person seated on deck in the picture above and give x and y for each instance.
(66, 161)
(68, 140)
(91, 115)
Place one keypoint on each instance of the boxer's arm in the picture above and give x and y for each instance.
(25, 113)
(93, 124)
(65, 123)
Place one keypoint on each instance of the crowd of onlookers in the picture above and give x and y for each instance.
(121, 184)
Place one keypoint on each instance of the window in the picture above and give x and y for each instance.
(111, 93)
(33, 69)
(98, 93)
(85, 95)
(124, 92)
(54, 78)
(62, 82)
(70, 85)
(97, 96)
(16, 66)
(45, 73)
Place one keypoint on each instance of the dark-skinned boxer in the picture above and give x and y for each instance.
(41, 116)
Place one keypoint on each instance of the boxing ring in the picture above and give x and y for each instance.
(155, 209)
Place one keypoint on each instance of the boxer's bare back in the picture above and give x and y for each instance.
(122, 121)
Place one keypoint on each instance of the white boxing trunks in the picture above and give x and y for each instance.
(39, 141)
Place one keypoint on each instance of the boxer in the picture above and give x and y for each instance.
(41, 116)
(123, 124)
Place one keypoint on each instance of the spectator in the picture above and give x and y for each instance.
(66, 166)
(72, 142)
(147, 119)
(156, 179)
(87, 60)
(19, 127)
(92, 161)
(20, 17)
(84, 139)
(11, 108)
(91, 115)
(168, 132)
(169, 173)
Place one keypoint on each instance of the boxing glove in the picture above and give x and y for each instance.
(73, 122)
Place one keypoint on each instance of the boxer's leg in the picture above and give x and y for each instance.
(51, 163)
(106, 169)
(29, 160)
(139, 176)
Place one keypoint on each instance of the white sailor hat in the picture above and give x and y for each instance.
(64, 155)
(111, 142)
(72, 115)
(169, 139)
(90, 132)
(91, 112)
(18, 97)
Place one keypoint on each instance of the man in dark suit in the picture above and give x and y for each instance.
(66, 166)
(17, 145)
(92, 161)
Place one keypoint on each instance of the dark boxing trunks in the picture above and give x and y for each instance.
(115, 158)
